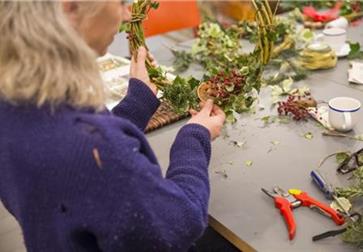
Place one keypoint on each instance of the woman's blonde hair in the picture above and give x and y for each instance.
(42, 58)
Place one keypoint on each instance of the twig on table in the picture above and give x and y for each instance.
(336, 134)
(223, 173)
(329, 156)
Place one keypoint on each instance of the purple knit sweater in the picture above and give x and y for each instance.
(77, 180)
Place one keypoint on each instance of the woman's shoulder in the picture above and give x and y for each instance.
(105, 124)
(65, 123)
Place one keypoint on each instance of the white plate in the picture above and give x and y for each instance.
(116, 75)
(344, 51)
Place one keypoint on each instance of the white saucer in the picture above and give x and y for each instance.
(344, 51)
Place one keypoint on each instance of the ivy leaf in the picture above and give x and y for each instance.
(342, 206)
(341, 157)
(307, 35)
(230, 88)
(244, 70)
(309, 135)
(155, 72)
(358, 137)
(154, 5)
(356, 189)
(353, 235)
(248, 163)
(193, 82)
(286, 84)
(284, 119)
(355, 52)
(238, 144)
(124, 27)
(270, 119)
(230, 118)
(275, 142)
(265, 119)
(181, 94)
(276, 93)
(280, 90)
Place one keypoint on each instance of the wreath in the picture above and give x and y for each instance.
(233, 88)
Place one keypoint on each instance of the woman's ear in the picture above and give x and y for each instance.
(71, 9)
(126, 14)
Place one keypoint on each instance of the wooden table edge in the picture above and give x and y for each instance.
(229, 235)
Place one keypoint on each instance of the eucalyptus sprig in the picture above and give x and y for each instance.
(216, 49)
(354, 192)
(354, 234)
(356, 189)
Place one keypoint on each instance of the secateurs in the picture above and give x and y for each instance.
(286, 202)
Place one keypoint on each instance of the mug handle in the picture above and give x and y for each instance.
(347, 120)
(319, 37)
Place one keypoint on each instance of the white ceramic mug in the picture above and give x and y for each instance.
(343, 113)
(340, 22)
(334, 37)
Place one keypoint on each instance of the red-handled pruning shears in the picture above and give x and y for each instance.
(308, 201)
(285, 205)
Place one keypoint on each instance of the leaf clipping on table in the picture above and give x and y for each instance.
(341, 157)
(223, 173)
(266, 119)
(343, 205)
(269, 119)
(275, 142)
(248, 163)
(273, 147)
(353, 192)
(354, 234)
(356, 189)
(355, 51)
(308, 135)
(238, 144)
(358, 137)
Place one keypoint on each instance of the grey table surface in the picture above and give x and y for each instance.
(237, 202)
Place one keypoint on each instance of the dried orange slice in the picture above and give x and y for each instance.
(202, 92)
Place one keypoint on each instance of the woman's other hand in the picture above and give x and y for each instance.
(211, 117)
(153, 62)
(138, 69)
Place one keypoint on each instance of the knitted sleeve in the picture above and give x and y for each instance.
(134, 207)
(139, 104)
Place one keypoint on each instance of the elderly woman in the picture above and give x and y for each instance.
(76, 176)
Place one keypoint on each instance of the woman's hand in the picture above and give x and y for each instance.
(138, 69)
(153, 62)
(211, 117)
